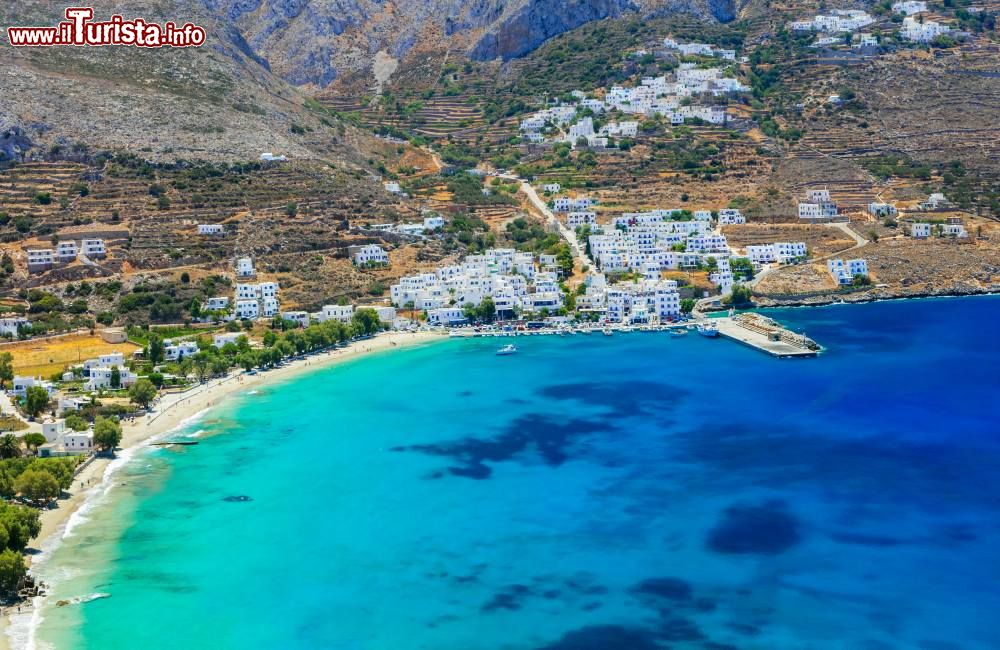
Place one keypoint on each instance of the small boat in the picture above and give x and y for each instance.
(709, 330)
(678, 332)
(585, 330)
(607, 332)
(510, 348)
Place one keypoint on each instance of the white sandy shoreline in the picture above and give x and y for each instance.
(172, 411)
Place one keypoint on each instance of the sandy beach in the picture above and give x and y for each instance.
(174, 408)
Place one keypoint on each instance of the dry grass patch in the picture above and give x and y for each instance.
(44, 357)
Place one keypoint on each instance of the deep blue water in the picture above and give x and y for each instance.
(631, 492)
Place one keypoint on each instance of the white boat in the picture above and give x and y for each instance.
(678, 332)
(585, 330)
(510, 348)
(607, 332)
(708, 329)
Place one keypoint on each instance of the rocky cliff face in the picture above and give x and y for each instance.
(313, 42)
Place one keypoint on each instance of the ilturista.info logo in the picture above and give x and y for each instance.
(81, 29)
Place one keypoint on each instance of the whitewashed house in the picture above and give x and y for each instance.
(882, 210)
(368, 254)
(12, 325)
(731, 216)
(67, 251)
(551, 187)
(244, 267)
(210, 229)
(300, 317)
(392, 186)
(177, 350)
(342, 313)
(40, 259)
(93, 248)
(920, 230)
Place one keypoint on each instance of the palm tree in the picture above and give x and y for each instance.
(10, 446)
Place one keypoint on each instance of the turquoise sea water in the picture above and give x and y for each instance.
(631, 492)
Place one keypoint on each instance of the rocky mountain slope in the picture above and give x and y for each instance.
(316, 41)
(216, 102)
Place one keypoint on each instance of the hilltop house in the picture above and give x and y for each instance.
(909, 7)
(67, 251)
(844, 272)
(368, 254)
(920, 230)
(817, 205)
(244, 267)
(93, 248)
(922, 31)
(40, 259)
(731, 216)
(878, 209)
(210, 229)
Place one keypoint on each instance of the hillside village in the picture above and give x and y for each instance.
(695, 173)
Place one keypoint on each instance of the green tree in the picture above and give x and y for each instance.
(12, 571)
(687, 305)
(37, 486)
(154, 349)
(33, 441)
(116, 377)
(741, 295)
(76, 422)
(365, 321)
(10, 446)
(142, 392)
(107, 433)
(36, 399)
(6, 369)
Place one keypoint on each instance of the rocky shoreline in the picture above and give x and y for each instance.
(874, 295)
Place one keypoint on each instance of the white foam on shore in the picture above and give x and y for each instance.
(23, 628)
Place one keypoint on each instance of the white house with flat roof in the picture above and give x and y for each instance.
(879, 209)
(101, 377)
(244, 267)
(93, 248)
(300, 317)
(342, 313)
(551, 187)
(40, 259)
(731, 216)
(211, 229)
(177, 350)
(12, 325)
(844, 272)
(920, 230)
(21, 384)
(67, 251)
(368, 254)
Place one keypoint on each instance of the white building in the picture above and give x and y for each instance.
(845, 272)
(267, 156)
(244, 267)
(342, 313)
(20, 385)
(446, 316)
(12, 325)
(247, 309)
(731, 216)
(40, 259)
(576, 219)
(392, 186)
(818, 205)
(551, 187)
(221, 339)
(210, 229)
(218, 303)
(66, 251)
(101, 377)
(93, 248)
(920, 230)
(910, 7)
(922, 32)
(177, 350)
(300, 317)
(878, 209)
(368, 254)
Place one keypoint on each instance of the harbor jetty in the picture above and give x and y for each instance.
(766, 335)
(751, 329)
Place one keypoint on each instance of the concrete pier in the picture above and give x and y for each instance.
(765, 335)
